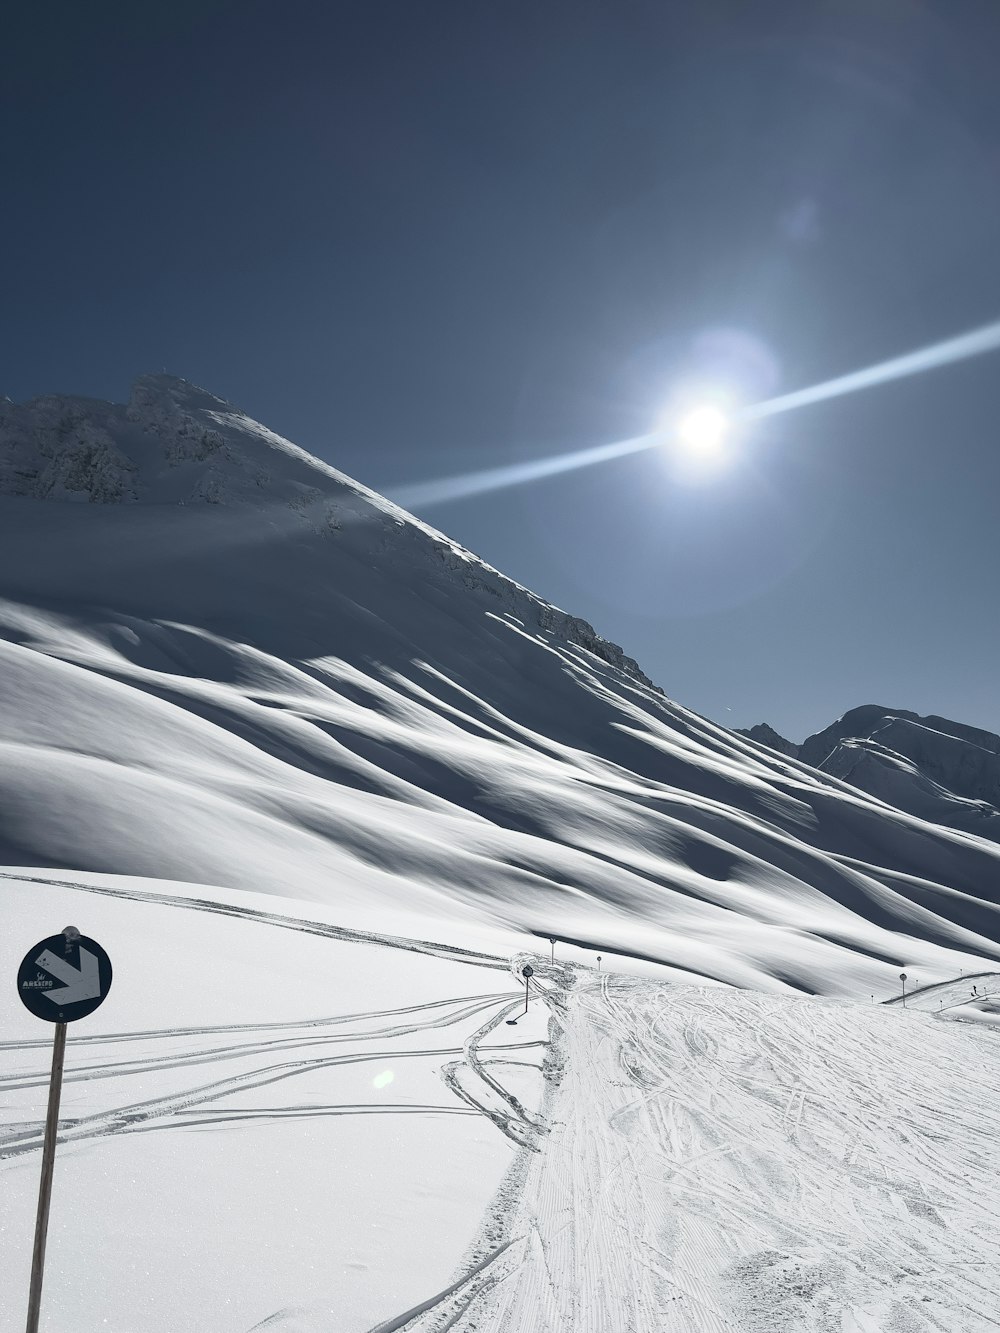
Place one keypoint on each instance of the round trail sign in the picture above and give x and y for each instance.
(64, 977)
(527, 970)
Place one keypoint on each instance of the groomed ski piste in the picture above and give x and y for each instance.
(276, 1123)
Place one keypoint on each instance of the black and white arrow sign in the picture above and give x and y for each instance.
(64, 977)
(81, 983)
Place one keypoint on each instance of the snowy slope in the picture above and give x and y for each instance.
(243, 669)
(254, 1119)
(732, 1161)
(875, 767)
(966, 760)
(963, 760)
(319, 779)
(275, 1124)
(941, 771)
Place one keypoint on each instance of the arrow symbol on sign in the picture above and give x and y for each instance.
(82, 983)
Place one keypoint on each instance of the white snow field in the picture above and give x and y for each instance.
(321, 782)
(259, 1117)
(280, 1127)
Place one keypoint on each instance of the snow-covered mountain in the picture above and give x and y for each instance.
(766, 735)
(964, 760)
(941, 771)
(232, 665)
(322, 782)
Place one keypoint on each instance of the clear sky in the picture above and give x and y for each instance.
(424, 238)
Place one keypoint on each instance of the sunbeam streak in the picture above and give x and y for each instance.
(425, 493)
(966, 345)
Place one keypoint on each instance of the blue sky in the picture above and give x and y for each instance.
(423, 239)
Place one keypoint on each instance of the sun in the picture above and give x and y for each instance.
(703, 431)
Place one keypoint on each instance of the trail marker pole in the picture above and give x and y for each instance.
(45, 1185)
(553, 943)
(902, 977)
(526, 972)
(60, 980)
(598, 962)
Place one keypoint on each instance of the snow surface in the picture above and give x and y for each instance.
(723, 1160)
(321, 780)
(632, 1155)
(231, 1141)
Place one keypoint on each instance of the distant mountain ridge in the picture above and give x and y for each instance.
(764, 734)
(929, 766)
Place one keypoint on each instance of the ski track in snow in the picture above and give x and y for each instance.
(369, 1037)
(722, 1161)
(283, 921)
(705, 1160)
(17, 1139)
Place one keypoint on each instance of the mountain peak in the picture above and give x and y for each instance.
(174, 445)
(766, 735)
(160, 388)
(171, 443)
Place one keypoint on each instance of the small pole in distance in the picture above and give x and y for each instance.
(902, 977)
(45, 1186)
(553, 943)
(598, 962)
(526, 972)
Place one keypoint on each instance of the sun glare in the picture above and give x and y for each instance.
(703, 430)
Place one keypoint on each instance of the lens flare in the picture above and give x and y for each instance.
(975, 343)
